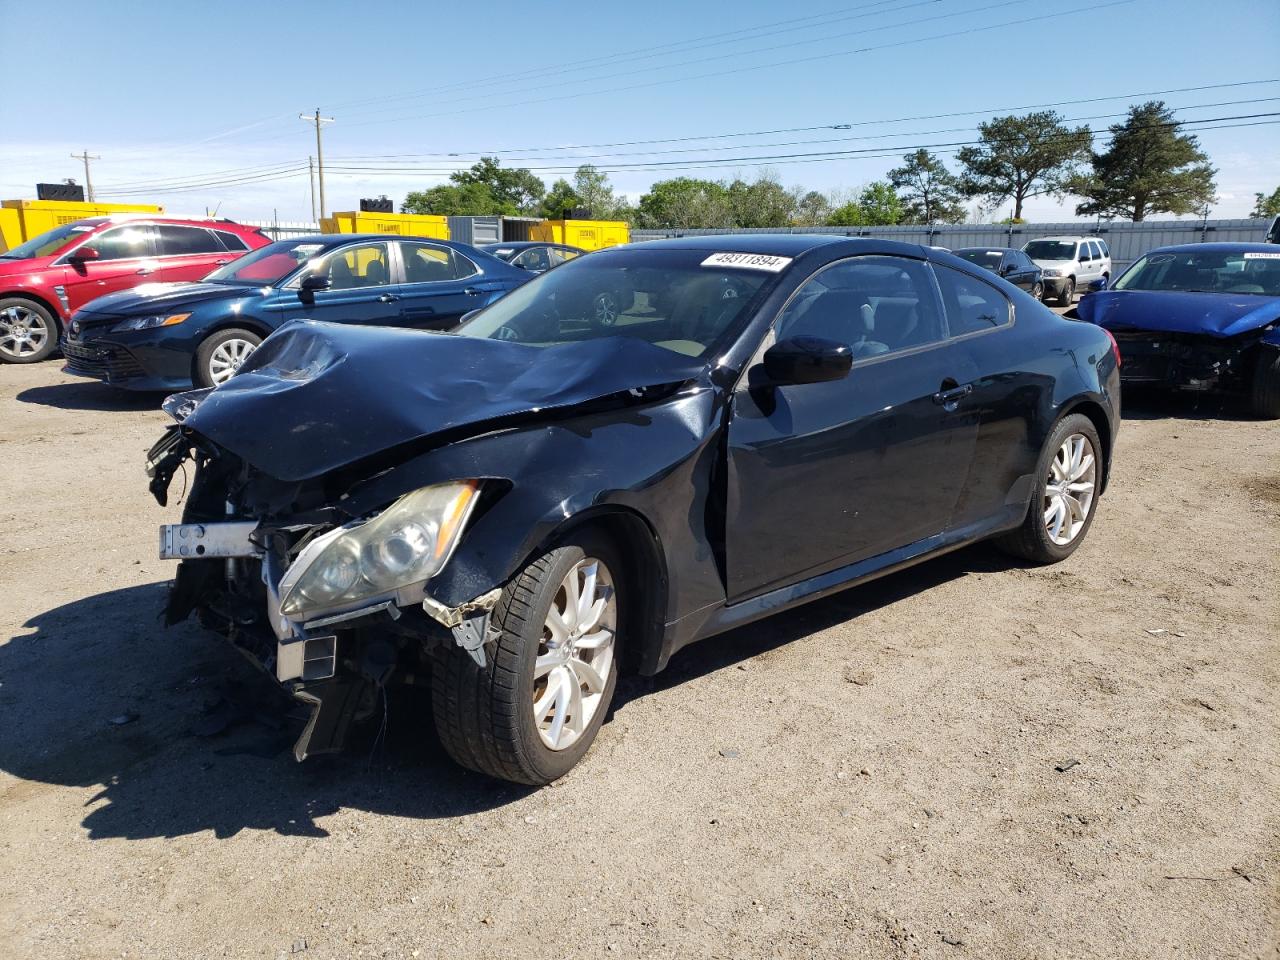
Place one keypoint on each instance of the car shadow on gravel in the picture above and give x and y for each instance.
(90, 395)
(185, 736)
(1150, 403)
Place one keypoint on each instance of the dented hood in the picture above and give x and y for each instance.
(1211, 314)
(318, 396)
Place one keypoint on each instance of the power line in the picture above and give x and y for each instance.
(298, 170)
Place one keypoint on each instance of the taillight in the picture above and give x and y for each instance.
(1115, 347)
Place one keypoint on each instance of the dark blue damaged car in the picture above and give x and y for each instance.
(514, 512)
(1203, 317)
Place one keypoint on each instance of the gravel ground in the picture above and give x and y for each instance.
(969, 759)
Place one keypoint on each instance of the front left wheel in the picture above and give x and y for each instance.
(221, 355)
(534, 709)
(1264, 391)
(28, 331)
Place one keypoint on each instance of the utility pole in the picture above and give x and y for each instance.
(318, 120)
(311, 172)
(88, 180)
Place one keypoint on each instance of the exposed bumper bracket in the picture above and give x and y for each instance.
(469, 622)
(187, 541)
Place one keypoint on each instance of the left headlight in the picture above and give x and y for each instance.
(407, 543)
(147, 323)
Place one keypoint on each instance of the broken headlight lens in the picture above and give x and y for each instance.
(408, 542)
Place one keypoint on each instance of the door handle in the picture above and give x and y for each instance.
(222, 262)
(146, 271)
(388, 298)
(955, 394)
(471, 292)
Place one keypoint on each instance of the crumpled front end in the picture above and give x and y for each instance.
(1185, 361)
(257, 564)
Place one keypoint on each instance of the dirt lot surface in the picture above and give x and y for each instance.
(969, 759)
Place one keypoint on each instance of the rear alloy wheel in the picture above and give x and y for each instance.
(534, 709)
(605, 309)
(28, 332)
(1068, 294)
(222, 354)
(1061, 510)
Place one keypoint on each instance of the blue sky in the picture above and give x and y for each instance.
(186, 93)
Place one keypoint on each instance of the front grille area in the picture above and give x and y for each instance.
(111, 364)
(1178, 359)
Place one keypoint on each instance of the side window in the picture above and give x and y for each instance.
(186, 241)
(231, 242)
(1084, 256)
(1102, 245)
(876, 305)
(427, 263)
(124, 243)
(972, 305)
(356, 267)
(535, 258)
(1095, 250)
(561, 255)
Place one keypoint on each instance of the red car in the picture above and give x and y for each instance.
(43, 281)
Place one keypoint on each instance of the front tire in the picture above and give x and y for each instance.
(1068, 295)
(221, 355)
(1069, 475)
(1264, 392)
(534, 709)
(28, 331)
(1037, 290)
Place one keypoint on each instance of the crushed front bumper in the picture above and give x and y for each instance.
(1181, 361)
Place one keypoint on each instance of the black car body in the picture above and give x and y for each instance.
(803, 413)
(1014, 265)
(536, 256)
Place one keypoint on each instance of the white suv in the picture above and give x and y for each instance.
(1069, 264)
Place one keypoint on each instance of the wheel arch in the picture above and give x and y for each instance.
(252, 324)
(37, 299)
(1097, 415)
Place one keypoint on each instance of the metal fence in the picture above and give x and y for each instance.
(1127, 241)
(276, 229)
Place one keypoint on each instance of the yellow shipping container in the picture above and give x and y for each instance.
(587, 234)
(24, 219)
(401, 224)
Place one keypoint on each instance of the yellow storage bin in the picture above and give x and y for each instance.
(39, 216)
(10, 229)
(400, 224)
(587, 234)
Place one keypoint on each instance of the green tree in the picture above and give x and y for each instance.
(684, 203)
(1148, 168)
(1022, 157)
(763, 203)
(453, 200)
(930, 193)
(1266, 206)
(880, 205)
(811, 207)
(516, 189)
(561, 196)
(846, 215)
(596, 193)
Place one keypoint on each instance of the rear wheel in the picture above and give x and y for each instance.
(28, 331)
(1264, 393)
(221, 355)
(534, 709)
(1068, 477)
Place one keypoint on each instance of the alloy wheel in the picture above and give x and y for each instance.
(227, 358)
(606, 310)
(1069, 489)
(575, 654)
(23, 332)
(1037, 291)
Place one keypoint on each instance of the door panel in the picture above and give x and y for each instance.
(826, 474)
(438, 286)
(188, 253)
(360, 289)
(126, 259)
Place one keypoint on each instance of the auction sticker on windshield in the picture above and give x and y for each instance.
(748, 261)
(1262, 256)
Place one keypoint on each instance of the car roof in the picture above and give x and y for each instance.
(119, 218)
(524, 245)
(339, 239)
(987, 249)
(1219, 247)
(1067, 236)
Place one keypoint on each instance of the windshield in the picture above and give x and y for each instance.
(983, 258)
(1205, 272)
(1051, 249)
(666, 297)
(49, 243)
(268, 265)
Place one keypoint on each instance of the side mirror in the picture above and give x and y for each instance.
(1098, 285)
(85, 254)
(310, 284)
(1007, 269)
(807, 360)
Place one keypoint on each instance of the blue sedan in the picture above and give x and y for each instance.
(1203, 316)
(174, 336)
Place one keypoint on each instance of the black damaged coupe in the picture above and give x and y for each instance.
(520, 509)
